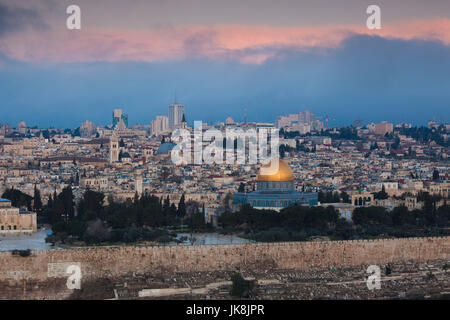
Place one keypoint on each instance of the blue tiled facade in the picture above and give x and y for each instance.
(275, 200)
(275, 194)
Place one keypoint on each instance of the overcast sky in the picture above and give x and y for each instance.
(270, 57)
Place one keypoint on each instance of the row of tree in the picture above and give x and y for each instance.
(298, 223)
(23, 200)
(132, 220)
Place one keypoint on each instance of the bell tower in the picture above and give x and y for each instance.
(113, 149)
(138, 184)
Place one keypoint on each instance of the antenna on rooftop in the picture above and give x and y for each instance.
(358, 123)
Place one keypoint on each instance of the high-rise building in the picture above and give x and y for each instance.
(302, 118)
(87, 129)
(176, 112)
(119, 119)
(316, 125)
(306, 117)
(229, 121)
(302, 128)
(160, 125)
(286, 121)
(384, 127)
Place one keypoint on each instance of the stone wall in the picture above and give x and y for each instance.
(106, 262)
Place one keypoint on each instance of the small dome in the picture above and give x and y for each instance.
(284, 172)
(125, 155)
(165, 148)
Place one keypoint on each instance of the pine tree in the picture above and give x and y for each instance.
(37, 203)
(166, 204)
(436, 175)
(181, 211)
(136, 198)
(66, 198)
(50, 201)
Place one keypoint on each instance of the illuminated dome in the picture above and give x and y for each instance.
(275, 190)
(284, 172)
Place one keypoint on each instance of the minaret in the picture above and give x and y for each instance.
(138, 184)
(183, 122)
(113, 149)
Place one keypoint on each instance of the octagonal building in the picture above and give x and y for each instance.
(275, 190)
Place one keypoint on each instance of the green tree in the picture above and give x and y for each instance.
(436, 175)
(381, 195)
(181, 211)
(37, 203)
(345, 197)
(198, 221)
(66, 197)
(371, 216)
(400, 215)
(18, 198)
(91, 201)
(240, 287)
(50, 201)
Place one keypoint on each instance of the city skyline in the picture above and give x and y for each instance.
(158, 117)
(240, 150)
(332, 122)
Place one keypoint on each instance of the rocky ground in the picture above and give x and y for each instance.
(409, 280)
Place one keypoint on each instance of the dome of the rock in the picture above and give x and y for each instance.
(270, 172)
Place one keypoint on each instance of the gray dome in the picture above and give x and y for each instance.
(165, 148)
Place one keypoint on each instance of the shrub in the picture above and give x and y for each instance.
(241, 287)
(430, 275)
(388, 269)
(22, 253)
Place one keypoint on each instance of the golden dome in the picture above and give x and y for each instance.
(284, 172)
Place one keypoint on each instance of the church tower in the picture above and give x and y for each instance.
(113, 149)
(138, 184)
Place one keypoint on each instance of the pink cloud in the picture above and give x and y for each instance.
(245, 43)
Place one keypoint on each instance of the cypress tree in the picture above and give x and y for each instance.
(37, 203)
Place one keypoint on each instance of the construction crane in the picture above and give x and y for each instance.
(358, 123)
(438, 119)
(245, 115)
(326, 118)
